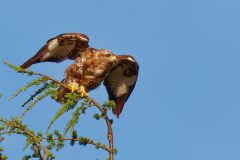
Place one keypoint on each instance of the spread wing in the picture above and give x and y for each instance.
(121, 81)
(57, 49)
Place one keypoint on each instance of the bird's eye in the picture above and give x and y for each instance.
(108, 55)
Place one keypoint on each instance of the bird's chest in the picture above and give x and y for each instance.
(94, 72)
(96, 68)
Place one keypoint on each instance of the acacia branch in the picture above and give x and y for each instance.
(38, 144)
(109, 126)
(50, 78)
(33, 137)
(100, 108)
(87, 142)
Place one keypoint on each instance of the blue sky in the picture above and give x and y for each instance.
(186, 103)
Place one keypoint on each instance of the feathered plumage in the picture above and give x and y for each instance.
(121, 81)
(57, 49)
(90, 68)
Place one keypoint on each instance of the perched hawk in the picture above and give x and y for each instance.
(91, 67)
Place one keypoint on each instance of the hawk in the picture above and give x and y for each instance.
(91, 67)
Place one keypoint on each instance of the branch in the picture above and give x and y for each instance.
(100, 108)
(16, 127)
(21, 70)
(87, 142)
(109, 126)
(38, 144)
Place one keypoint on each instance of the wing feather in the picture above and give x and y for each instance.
(121, 81)
(57, 49)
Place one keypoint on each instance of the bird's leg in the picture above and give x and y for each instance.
(73, 87)
(83, 92)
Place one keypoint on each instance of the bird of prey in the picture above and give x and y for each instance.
(91, 67)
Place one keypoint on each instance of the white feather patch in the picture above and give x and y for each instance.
(121, 89)
(58, 52)
(122, 82)
(84, 39)
(45, 56)
(53, 44)
(130, 59)
(99, 71)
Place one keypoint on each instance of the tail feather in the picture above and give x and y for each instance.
(119, 105)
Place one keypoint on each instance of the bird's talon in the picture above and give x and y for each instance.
(73, 87)
(83, 92)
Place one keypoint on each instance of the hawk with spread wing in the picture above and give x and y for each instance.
(91, 67)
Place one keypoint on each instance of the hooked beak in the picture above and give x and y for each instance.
(113, 58)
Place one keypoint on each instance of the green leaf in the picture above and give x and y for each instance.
(29, 141)
(16, 68)
(74, 137)
(70, 104)
(109, 105)
(60, 145)
(84, 141)
(4, 157)
(37, 99)
(35, 82)
(39, 91)
(27, 157)
(97, 116)
(73, 120)
(115, 151)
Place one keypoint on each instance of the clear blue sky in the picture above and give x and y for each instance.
(186, 104)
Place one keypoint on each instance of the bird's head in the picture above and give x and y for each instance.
(108, 56)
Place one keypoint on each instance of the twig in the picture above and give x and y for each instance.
(35, 139)
(88, 142)
(50, 78)
(38, 144)
(109, 126)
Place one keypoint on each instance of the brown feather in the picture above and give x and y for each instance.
(124, 74)
(90, 68)
(87, 71)
(69, 46)
(35, 58)
(120, 101)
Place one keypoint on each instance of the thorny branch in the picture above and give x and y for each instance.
(109, 126)
(88, 142)
(34, 138)
(38, 144)
(100, 108)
